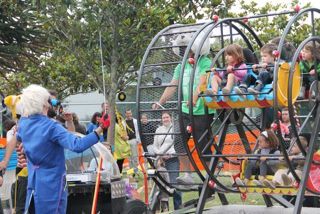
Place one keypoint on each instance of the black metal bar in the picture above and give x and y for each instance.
(247, 127)
(138, 98)
(250, 119)
(203, 195)
(165, 133)
(183, 26)
(230, 29)
(167, 46)
(224, 122)
(217, 118)
(162, 63)
(174, 170)
(222, 43)
(292, 119)
(236, 69)
(306, 168)
(307, 119)
(290, 87)
(193, 149)
(243, 138)
(280, 158)
(218, 151)
(263, 15)
(219, 129)
(312, 24)
(218, 36)
(210, 171)
(157, 86)
(255, 36)
(148, 155)
(243, 155)
(223, 198)
(205, 189)
(275, 89)
(202, 136)
(159, 110)
(267, 200)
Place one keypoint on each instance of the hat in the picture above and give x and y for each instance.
(184, 39)
(14, 105)
(181, 40)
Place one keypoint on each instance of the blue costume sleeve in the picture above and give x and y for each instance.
(69, 141)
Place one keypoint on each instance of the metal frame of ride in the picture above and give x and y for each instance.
(282, 97)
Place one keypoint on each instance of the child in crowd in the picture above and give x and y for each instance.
(265, 72)
(267, 144)
(309, 65)
(281, 176)
(235, 72)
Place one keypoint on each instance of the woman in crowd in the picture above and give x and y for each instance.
(163, 146)
(94, 123)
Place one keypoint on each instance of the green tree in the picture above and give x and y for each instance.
(72, 64)
(21, 41)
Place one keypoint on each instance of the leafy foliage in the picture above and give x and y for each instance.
(21, 41)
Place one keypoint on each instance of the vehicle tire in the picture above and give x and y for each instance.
(135, 207)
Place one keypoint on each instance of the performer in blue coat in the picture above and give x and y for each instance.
(44, 142)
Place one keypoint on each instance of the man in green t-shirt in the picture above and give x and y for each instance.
(201, 120)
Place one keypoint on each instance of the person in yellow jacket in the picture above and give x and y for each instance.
(121, 146)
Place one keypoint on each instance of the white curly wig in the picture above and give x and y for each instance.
(33, 99)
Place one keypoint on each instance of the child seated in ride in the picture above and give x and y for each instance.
(265, 72)
(281, 177)
(309, 65)
(267, 144)
(234, 73)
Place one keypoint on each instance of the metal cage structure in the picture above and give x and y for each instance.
(232, 135)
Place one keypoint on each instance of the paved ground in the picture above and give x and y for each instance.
(248, 209)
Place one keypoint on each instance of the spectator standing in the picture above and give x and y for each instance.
(164, 144)
(122, 148)
(94, 122)
(131, 127)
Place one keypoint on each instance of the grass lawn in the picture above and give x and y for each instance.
(233, 198)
